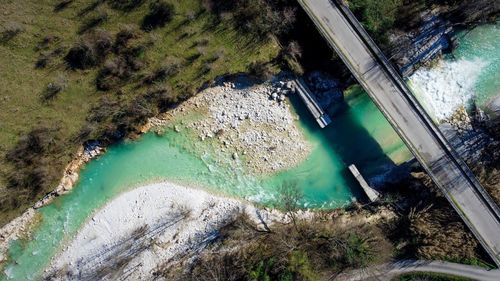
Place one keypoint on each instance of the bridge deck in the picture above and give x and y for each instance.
(394, 99)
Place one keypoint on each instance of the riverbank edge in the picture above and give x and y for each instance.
(20, 227)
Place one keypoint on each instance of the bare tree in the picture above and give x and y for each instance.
(294, 50)
(290, 196)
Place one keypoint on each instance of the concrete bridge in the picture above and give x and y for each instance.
(394, 99)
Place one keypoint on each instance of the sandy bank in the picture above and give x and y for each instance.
(145, 228)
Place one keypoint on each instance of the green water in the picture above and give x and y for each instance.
(356, 136)
(482, 42)
(359, 134)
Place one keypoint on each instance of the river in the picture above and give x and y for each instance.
(358, 134)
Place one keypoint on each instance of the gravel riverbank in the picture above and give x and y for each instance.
(249, 124)
(146, 227)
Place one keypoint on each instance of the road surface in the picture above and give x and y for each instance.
(392, 96)
(391, 270)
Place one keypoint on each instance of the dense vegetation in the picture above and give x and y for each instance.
(304, 250)
(378, 16)
(381, 16)
(78, 70)
(322, 247)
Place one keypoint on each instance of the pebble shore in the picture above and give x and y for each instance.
(253, 125)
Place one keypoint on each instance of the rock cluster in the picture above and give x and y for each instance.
(14, 230)
(460, 120)
(92, 149)
(281, 90)
(467, 135)
(325, 89)
(70, 176)
(253, 125)
(422, 44)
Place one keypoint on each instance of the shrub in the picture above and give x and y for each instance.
(126, 118)
(10, 30)
(81, 56)
(190, 15)
(216, 56)
(201, 43)
(120, 69)
(192, 58)
(89, 51)
(163, 98)
(162, 73)
(33, 179)
(93, 21)
(257, 17)
(42, 61)
(102, 110)
(32, 172)
(300, 266)
(46, 41)
(111, 74)
(293, 49)
(261, 70)
(376, 15)
(51, 91)
(63, 4)
(160, 13)
(123, 37)
(206, 68)
(92, 6)
(284, 253)
(35, 142)
(290, 57)
(127, 61)
(359, 252)
(46, 56)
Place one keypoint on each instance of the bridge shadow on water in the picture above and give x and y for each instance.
(348, 141)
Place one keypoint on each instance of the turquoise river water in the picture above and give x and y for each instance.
(359, 134)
